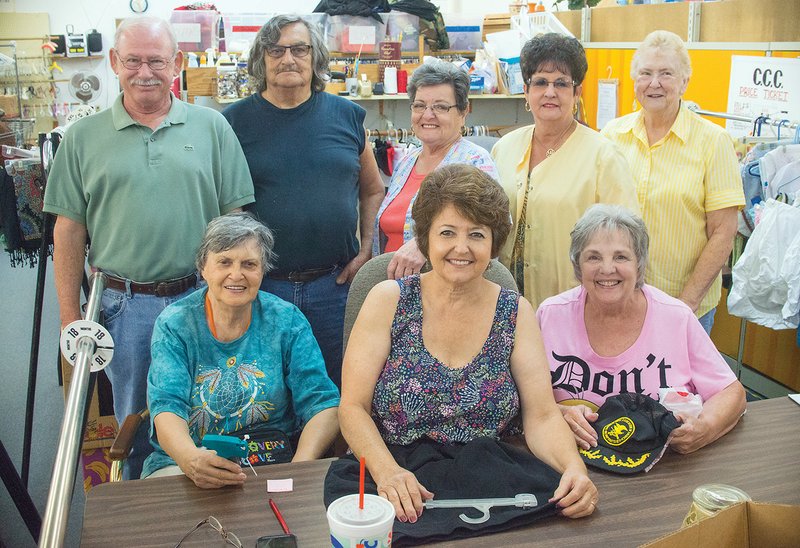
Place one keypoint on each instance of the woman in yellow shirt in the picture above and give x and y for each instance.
(553, 170)
(687, 177)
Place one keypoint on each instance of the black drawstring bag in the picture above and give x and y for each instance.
(482, 468)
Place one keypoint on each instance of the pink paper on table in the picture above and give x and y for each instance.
(280, 485)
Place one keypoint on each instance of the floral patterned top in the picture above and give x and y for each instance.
(417, 396)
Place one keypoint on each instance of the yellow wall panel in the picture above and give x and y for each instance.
(708, 86)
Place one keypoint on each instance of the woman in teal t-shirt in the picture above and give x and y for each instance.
(230, 356)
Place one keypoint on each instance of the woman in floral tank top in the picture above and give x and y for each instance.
(451, 356)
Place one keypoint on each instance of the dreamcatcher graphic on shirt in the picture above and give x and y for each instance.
(227, 392)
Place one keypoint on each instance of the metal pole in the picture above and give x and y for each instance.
(54, 524)
(33, 364)
(19, 494)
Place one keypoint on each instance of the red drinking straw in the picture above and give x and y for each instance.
(361, 466)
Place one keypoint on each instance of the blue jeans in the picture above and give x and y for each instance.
(322, 302)
(129, 318)
(707, 320)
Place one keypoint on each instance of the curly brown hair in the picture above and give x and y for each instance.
(472, 192)
(564, 53)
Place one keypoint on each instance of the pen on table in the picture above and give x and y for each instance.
(279, 516)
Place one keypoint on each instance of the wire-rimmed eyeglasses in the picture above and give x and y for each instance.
(560, 84)
(134, 63)
(229, 537)
(437, 108)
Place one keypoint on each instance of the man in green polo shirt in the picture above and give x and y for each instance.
(140, 180)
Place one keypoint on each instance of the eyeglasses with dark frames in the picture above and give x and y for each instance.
(560, 84)
(437, 108)
(298, 50)
(229, 537)
(133, 63)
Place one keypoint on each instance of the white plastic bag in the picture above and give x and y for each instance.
(680, 401)
(766, 279)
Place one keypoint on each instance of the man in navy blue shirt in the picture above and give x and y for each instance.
(316, 180)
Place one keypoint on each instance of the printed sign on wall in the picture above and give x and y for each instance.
(767, 86)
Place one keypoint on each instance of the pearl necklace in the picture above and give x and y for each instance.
(552, 150)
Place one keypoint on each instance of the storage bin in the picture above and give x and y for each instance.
(318, 19)
(195, 30)
(241, 29)
(534, 24)
(397, 23)
(464, 31)
(349, 33)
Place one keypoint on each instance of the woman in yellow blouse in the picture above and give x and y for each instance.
(687, 177)
(553, 170)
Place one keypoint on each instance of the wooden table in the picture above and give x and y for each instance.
(759, 456)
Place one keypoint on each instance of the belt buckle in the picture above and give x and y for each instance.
(291, 276)
(162, 289)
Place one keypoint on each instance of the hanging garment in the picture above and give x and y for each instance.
(21, 214)
(483, 468)
(384, 155)
(780, 171)
(766, 278)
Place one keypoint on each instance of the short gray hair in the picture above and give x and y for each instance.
(232, 230)
(441, 72)
(270, 34)
(665, 42)
(610, 218)
(146, 21)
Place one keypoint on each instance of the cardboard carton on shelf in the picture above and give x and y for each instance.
(496, 22)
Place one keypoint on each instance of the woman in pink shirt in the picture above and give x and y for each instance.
(614, 334)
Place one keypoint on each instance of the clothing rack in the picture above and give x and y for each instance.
(403, 133)
(757, 123)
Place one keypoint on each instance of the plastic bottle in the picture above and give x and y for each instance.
(365, 87)
(539, 7)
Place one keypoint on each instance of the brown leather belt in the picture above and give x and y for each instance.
(167, 288)
(300, 276)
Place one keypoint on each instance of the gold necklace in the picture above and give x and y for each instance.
(552, 150)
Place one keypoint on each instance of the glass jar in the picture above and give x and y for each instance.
(243, 88)
(226, 81)
(709, 499)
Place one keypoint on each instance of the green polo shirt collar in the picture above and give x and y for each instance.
(176, 115)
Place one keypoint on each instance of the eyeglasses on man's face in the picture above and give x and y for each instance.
(134, 63)
(229, 537)
(560, 84)
(437, 108)
(298, 50)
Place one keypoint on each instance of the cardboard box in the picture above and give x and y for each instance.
(496, 22)
(744, 525)
(201, 81)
